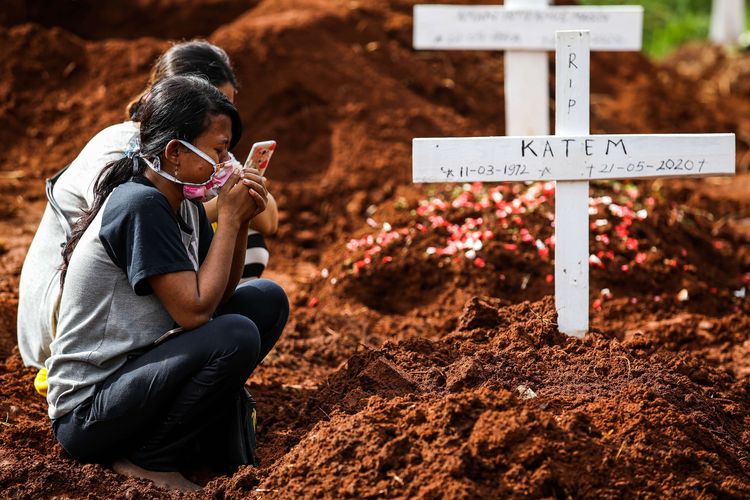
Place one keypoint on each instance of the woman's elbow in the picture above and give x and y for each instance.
(190, 321)
(273, 226)
(267, 227)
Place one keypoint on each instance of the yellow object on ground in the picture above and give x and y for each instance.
(40, 382)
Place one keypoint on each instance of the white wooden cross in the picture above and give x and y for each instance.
(572, 157)
(727, 20)
(525, 30)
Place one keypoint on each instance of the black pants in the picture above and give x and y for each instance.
(172, 406)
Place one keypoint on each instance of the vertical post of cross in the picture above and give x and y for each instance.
(526, 85)
(727, 20)
(572, 197)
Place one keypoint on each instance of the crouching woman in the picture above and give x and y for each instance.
(154, 343)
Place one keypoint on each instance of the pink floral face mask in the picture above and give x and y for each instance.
(210, 190)
(203, 191)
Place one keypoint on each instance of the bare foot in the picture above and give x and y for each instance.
(171, 480)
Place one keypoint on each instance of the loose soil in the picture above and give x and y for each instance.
(422, 357)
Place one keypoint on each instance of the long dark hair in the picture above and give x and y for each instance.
(196, 57)
(178, 107)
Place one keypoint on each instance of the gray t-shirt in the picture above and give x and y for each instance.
(39, 287)
(107, 308)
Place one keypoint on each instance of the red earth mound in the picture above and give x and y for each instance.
(506, 406)
(414, 375)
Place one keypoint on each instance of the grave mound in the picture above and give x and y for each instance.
(505, 405)
(649, 244)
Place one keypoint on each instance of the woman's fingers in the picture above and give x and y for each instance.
(232, 181)
(252, 186)
(260, 201)
(256, 186)
(254, 178)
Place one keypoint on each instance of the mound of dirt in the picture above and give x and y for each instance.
(58, 90)
(645, 246)
(507, 406)
(143, 18)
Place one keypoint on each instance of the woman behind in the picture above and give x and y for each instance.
(73, 192)
(143, 260)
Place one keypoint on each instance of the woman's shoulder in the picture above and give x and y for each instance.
(137, 194)
(135, 200)
(126, 127)
(107, 145)
(113, 138)
(134, 207)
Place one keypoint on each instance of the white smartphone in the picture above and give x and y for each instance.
(260, 156)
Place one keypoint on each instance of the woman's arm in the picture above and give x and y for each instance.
(238, 262)
(267, 222)
(212, 212)
(191, 298)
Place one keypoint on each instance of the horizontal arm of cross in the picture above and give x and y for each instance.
(546, 158)
(494, 27)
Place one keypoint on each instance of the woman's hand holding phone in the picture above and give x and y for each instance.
(242, 197)
(250, 176)
(256, 186)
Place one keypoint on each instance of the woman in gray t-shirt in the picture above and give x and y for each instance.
(154, 341)
(73, 192)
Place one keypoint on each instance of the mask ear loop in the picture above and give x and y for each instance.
(156, 167)
(198, 152)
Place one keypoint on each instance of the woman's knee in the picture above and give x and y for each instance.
(237, 334)
(276, 296)
(263, 300)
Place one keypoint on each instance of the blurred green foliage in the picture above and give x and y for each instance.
(669, 23)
